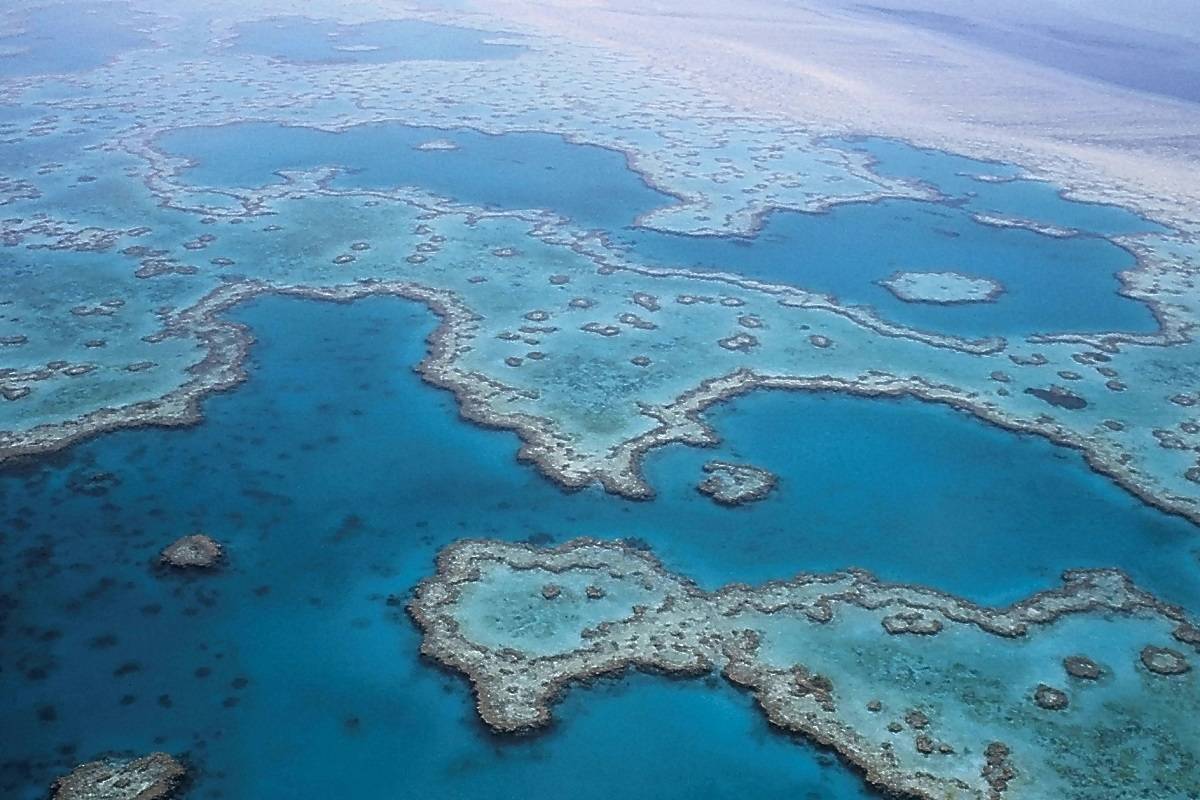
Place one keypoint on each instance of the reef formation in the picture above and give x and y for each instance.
(550, 327)
(942, 288)
(928, 695)
(196, 551)
(734, 484)
(157, 776)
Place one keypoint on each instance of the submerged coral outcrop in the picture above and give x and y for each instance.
(195, 551)
(734, 484)
(927, 694)
(942, 288)
(157, 776)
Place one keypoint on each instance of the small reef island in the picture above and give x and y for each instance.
(942, 288)
(928, 695)
(437, 145)
(196, 551)
(734, 484)
(157, 776)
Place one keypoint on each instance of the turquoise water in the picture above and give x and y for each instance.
(920, 493)
(955, 176)
(1052, 285)
(303, 40)
(591, 185)
(334, 475)
(26, 152)
(70, 37)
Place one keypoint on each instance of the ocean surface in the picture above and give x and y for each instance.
(69, 37)
(301, 40)
(1052, 284)
(334, 475)
(590, 185)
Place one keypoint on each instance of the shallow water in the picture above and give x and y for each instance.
(1051, 284)
(70, 37)
(958, 178)
(313, 41)
(334, 476)
(512, 171)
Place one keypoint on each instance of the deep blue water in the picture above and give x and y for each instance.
(334, 475)
(70, 37)
(303, 40)
(589, 184)
(920, 493)
(1052, 284)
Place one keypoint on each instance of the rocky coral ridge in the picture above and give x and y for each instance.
(734, 484)
(157, 776)
(914, 742)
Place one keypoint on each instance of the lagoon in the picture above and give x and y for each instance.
(1052, 284)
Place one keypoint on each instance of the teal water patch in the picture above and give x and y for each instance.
(301, 40)
(882, 483)
(591, 185)
(53, 140)
(1050, 284)
(958, 178)
(333, 477)
(70, 37)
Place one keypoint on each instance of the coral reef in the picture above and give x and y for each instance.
(734, 484)
(959, 709)
(942, 288)
(196, 551)
(157, 776)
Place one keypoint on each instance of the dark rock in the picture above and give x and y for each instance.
(916, 718)
(1164, 660)
(1059, 397)
(1082, 667)
(157, 776)
(1049, 698)
(197, 551)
